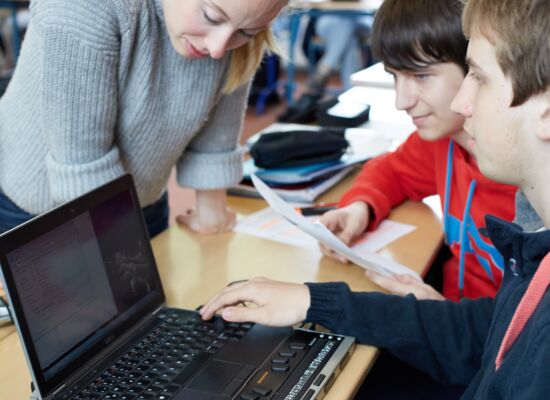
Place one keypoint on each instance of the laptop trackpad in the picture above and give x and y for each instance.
(215, 376)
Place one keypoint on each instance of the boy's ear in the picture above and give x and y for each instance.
(544, 131)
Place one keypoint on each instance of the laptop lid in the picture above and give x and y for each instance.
(78, 277)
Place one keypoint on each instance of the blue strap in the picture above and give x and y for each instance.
(464, 236)
(448, 190)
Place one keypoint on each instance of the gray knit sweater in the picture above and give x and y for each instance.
(99, 91)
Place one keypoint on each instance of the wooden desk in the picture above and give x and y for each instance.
(193, 268)
(6, 329)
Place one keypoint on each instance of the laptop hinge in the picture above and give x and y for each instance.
(59, 389)
(159, 309)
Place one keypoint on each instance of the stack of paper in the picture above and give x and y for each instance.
(366, 260)
(300, 193)
(305, 183)
(268, 224)
(275, 177)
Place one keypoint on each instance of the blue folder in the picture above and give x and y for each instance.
(303, 174)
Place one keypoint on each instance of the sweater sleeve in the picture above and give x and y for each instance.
(388, 180)
(443, 338)
(214, 157)
(79, 45)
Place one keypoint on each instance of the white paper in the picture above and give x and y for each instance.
(346, 110)
(370, 261)
(374, 76)
(268, 224)
(387, 232)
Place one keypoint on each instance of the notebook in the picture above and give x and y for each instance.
(301, 175)
(301, 193)
(90, 311)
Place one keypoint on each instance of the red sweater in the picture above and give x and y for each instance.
(418, 169)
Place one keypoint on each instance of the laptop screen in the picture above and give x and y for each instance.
(79, 278)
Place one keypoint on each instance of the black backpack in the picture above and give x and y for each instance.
(297, 148)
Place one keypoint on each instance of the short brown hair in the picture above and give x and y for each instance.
(412, 34)
(520, 31)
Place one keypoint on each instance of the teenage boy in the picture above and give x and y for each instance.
(498, 347)
(422, 45)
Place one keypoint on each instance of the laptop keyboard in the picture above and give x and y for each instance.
(158, 366)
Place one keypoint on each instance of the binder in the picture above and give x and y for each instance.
(305, 193)
(303, 174)
(305, 183)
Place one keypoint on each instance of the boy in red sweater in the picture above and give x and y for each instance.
(425, 52)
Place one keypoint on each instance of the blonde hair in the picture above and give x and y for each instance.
(246, 59)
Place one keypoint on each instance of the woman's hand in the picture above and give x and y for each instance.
(211, 214)
(268, 302)
(346, 223)
(403, 285)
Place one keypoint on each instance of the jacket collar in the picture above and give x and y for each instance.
(526, 216)
(526, 248)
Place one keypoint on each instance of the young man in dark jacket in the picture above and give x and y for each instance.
(498, 347)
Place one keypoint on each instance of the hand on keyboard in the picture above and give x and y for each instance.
(273, 303)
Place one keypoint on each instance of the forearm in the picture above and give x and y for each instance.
(212, 202)
(442, 338)
(211, 214)
(375, 187)
(213, 159)
(388, 180)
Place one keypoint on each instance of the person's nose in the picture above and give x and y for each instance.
(217, 42)
(406, 93)
(462, 102)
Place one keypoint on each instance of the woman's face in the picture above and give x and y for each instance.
(209, 28)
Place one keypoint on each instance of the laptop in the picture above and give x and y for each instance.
(87, 300)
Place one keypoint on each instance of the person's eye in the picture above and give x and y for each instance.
(246, 34)
(422, 76)
(475, 77)
(209, 19)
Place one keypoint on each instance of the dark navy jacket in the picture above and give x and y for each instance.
(456, 343)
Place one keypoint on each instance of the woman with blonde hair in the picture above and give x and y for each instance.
(108, 87)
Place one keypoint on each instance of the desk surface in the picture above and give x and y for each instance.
(5, 328)
(193, 268)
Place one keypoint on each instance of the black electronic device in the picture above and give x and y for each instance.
(86, 297)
